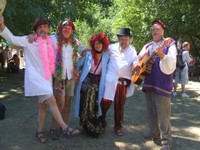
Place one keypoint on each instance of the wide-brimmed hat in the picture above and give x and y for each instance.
(39, 22)
(124, 32)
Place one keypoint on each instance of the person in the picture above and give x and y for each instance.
(181, 76)
(66, 74)
(91, 85)
(39, 68)
(118, 78)
(2, 58)
(13, 65)
(158, 84)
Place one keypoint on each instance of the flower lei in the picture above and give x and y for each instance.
(59, 62)
(48, 59)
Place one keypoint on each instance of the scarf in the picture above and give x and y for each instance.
(47, 56)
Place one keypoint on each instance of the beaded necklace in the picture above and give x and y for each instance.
(59, 62)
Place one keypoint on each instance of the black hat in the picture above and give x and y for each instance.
(125, 32)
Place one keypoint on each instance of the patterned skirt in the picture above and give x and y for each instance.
(88, 114)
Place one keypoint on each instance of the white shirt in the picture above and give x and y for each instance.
(120, 65)
(168, 63)
(35, 82)
(67, 70)
(186, 58)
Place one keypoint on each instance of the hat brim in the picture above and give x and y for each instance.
(124, 35)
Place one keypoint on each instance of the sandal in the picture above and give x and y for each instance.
(70, 131)
(41, 137)
(53, 134)
(119, 132)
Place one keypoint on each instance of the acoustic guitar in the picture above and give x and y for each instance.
(146, 62)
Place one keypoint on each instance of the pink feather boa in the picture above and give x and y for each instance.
(47, 56)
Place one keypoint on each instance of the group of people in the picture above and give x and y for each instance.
(102, 74)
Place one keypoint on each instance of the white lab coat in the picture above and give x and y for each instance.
(120, 65)
(35, 82)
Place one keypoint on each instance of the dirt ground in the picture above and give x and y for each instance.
(18, 128)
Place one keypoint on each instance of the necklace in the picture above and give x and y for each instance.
(59, 63)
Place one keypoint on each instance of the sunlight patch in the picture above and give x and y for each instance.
(194, 130)
(123, 145)
(174, 118)
(2, 96)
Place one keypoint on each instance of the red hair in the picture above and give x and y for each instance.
(100, 37)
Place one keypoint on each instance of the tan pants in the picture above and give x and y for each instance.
(158, 112)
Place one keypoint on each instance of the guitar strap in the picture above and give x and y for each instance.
(148, 47)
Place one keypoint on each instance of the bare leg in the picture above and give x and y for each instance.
(175, 87)
(60, 107)
(66, 109)
(41, 116)
(183, 88)
(56, 113)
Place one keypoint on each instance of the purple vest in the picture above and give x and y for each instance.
(157, 81)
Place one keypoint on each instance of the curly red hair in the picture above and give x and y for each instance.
(100, 37)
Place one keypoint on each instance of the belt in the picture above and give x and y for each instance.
(122, 81)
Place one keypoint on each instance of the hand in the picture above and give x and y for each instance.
(2, 25)
(84, 52)
(136, 68)
(32, 38)
(159, 52)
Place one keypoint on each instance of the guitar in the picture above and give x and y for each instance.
(146, 63)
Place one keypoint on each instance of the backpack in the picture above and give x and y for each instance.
(179, 62)
(2, 111)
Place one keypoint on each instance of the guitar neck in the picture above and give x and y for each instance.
(147, 60)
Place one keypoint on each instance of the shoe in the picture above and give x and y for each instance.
(70, 132)
(165, 147)
(119, 132)
(53, 134)
(184, 95)
(41, 137)
(174, 94)
(147, 138)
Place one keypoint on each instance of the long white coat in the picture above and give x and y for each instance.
(35, 82)
(120, 65)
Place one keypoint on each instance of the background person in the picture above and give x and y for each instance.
(181, 76)
(13, 65)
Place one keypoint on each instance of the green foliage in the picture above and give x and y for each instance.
(92, 16)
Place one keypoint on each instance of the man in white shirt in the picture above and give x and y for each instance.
(118, 78)
(67, 50)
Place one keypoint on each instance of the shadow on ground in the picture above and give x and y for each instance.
(18, 129)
